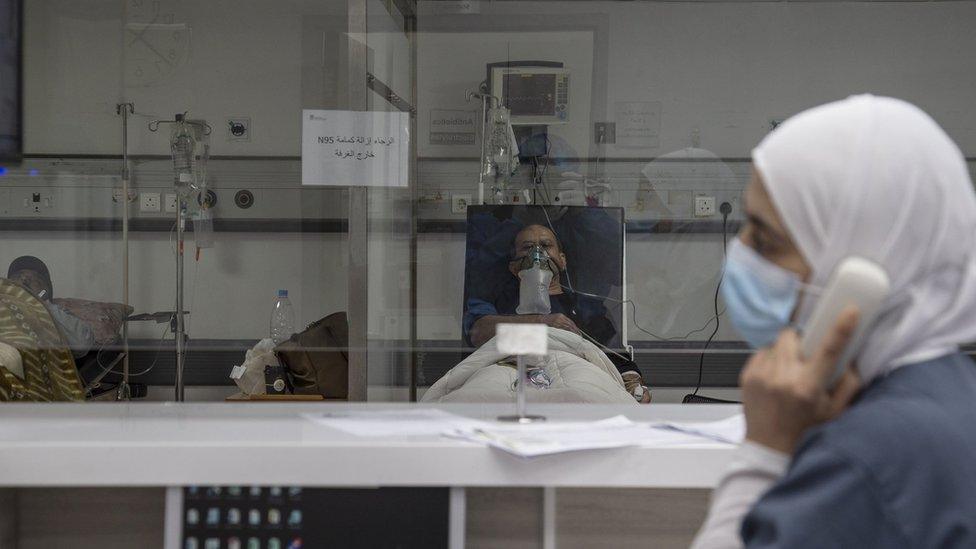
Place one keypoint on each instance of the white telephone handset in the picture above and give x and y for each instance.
(855, 281)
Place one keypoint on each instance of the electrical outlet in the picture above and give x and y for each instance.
(704, 206)
(170, 204)
(149, 202)
(117, 195)
(460, 203)
(605, 133)
(36, 202)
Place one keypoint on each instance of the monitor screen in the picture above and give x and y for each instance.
(530, 94)
(11, 128)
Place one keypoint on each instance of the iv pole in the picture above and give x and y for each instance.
(180, 238)
(123, 391)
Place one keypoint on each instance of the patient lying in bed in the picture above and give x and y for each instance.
(574, 370)
(494, 298)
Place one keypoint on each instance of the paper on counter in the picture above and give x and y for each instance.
(394, 422)
(536, 439)
(731, 430)
(540, 439)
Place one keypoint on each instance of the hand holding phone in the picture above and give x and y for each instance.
(802, 381)
(784, 393)
(856, 282)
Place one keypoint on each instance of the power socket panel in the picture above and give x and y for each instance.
(170, 203)
(704, 206)
(149, 202)
(460, 203)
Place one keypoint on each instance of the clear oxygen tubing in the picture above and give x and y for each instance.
(633, 305)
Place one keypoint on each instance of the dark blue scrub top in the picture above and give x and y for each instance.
(898, 469)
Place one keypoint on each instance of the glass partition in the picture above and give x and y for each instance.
(368, 156)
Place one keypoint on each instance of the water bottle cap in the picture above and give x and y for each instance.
(282, 293)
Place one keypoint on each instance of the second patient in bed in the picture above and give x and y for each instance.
(31, 273)
(569, 311)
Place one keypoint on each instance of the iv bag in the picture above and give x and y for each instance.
(183, 148)
(203, 228)
(534, 291)
(501, 155)
(188, 138)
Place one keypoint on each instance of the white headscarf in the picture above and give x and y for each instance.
(876, 177)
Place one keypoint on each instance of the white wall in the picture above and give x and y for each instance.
(230, 58)
(723, 69)
(449, 64)
(726, 68)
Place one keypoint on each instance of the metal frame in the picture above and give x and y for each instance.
(123, 391)
(358, 81)
(18, 155)
(353, 96)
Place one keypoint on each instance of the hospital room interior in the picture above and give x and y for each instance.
(226, 224)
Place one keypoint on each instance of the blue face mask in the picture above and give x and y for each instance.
(759, 295)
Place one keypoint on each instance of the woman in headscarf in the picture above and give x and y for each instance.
(887, 456)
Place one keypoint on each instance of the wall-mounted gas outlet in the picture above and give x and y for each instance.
(239, 128)
(149, 202)
(170, 204)
(460, 203)
(704, 206)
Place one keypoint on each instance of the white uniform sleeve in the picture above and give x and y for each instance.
(753, 471)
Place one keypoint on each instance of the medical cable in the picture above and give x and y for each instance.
(193, 302)
(545, 170)
(633, 305)
(726, 208)
(111, 369)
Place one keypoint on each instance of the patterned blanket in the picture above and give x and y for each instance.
(49, 369)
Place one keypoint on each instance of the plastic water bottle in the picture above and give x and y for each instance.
(282, 318)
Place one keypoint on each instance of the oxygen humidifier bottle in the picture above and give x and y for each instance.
(282, 318)
(182, 145)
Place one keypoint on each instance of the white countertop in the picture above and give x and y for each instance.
(168, 444)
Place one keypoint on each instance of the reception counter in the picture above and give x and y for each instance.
(169, 445)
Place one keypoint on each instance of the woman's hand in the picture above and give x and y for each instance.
(784, 395)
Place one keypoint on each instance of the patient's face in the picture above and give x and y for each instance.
(534, 235)
(31, 280)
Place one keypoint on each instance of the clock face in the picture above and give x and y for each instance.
(156, 41)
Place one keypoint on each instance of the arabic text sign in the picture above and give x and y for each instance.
(352, 148)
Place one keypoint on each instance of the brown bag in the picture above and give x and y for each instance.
(317, 358)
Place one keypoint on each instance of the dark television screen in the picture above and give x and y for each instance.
(11, 73)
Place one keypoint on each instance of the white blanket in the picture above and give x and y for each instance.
(579, 370)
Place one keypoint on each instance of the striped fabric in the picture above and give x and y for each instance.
(50, 374)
